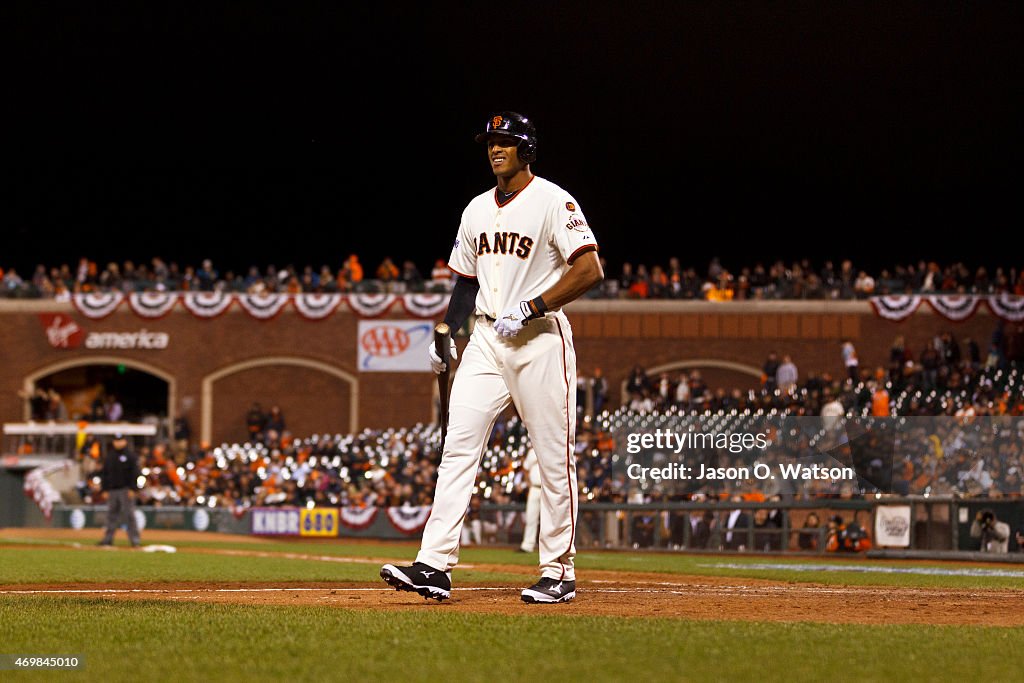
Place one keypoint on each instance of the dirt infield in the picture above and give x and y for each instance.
(599, 593)
(695, 599)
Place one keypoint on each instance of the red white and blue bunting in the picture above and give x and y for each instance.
(152, 305)
(956, 307)
(39, 489)
(358, 518)
(263, 306)
(425, 305)
(207, 304)
(408, 519)
(371, 305)
(317, 306)
(1007, 306)
(311, 306)
(896, 307)
(97, 305)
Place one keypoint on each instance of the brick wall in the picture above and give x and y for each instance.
(312, 373)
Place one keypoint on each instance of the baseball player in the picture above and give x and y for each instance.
(523, 250)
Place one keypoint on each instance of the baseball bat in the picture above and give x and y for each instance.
(442, 346)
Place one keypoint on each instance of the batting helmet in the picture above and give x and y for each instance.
(517, 126)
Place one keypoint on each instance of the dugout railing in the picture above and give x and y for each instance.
(694, 526)
(923, 523)
(917, 524)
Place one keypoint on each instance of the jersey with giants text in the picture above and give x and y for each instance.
(519, 249)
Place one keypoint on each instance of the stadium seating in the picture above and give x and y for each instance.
(387, 467)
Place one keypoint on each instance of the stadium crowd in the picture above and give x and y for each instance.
(798, 280)
(384, 468)
(801, 280)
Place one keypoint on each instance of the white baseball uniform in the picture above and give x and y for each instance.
(517, 250)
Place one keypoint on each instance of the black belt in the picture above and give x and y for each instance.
(491, 320)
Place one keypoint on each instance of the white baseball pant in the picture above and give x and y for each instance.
(537, 371)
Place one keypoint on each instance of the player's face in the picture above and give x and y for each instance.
(503, 153)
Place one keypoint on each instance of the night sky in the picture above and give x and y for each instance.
(751, 131)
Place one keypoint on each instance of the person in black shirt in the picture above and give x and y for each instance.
(255, 422)
(770, 369)
(119, 478)
(274, 421)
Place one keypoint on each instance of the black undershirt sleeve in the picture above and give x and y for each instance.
(462, 303)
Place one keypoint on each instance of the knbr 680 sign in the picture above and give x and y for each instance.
(318, 522)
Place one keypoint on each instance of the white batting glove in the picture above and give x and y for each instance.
(436, 364)
(510, 322)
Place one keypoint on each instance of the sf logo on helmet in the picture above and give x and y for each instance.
(496, 122)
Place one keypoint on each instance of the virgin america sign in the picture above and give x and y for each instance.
(62, 332)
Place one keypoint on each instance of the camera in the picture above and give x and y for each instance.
(987, 519)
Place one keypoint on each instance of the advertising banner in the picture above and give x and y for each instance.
(275, 521)
(319, 522)
(892, 526)
(393, 345)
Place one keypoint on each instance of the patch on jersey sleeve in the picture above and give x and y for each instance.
(456, 243)
(570, 206)
(578, 224)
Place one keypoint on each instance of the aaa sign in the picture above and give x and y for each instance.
(393, 346)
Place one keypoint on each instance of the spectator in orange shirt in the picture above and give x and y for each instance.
(713, 293)
(639, 289)
(355, 269)
(880, 402)
(387, 270)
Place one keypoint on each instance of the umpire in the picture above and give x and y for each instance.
(119, 478)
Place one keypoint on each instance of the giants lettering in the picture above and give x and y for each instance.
(505, 243)
(500, 242)
(525, 245)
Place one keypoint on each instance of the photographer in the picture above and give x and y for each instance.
(994, 535)
(843, 537)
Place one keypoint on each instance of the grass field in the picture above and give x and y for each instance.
(129, 641)
(322, 632)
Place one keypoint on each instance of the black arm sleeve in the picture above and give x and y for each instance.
(462, 303)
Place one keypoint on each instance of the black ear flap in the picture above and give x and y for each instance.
(527, 151)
